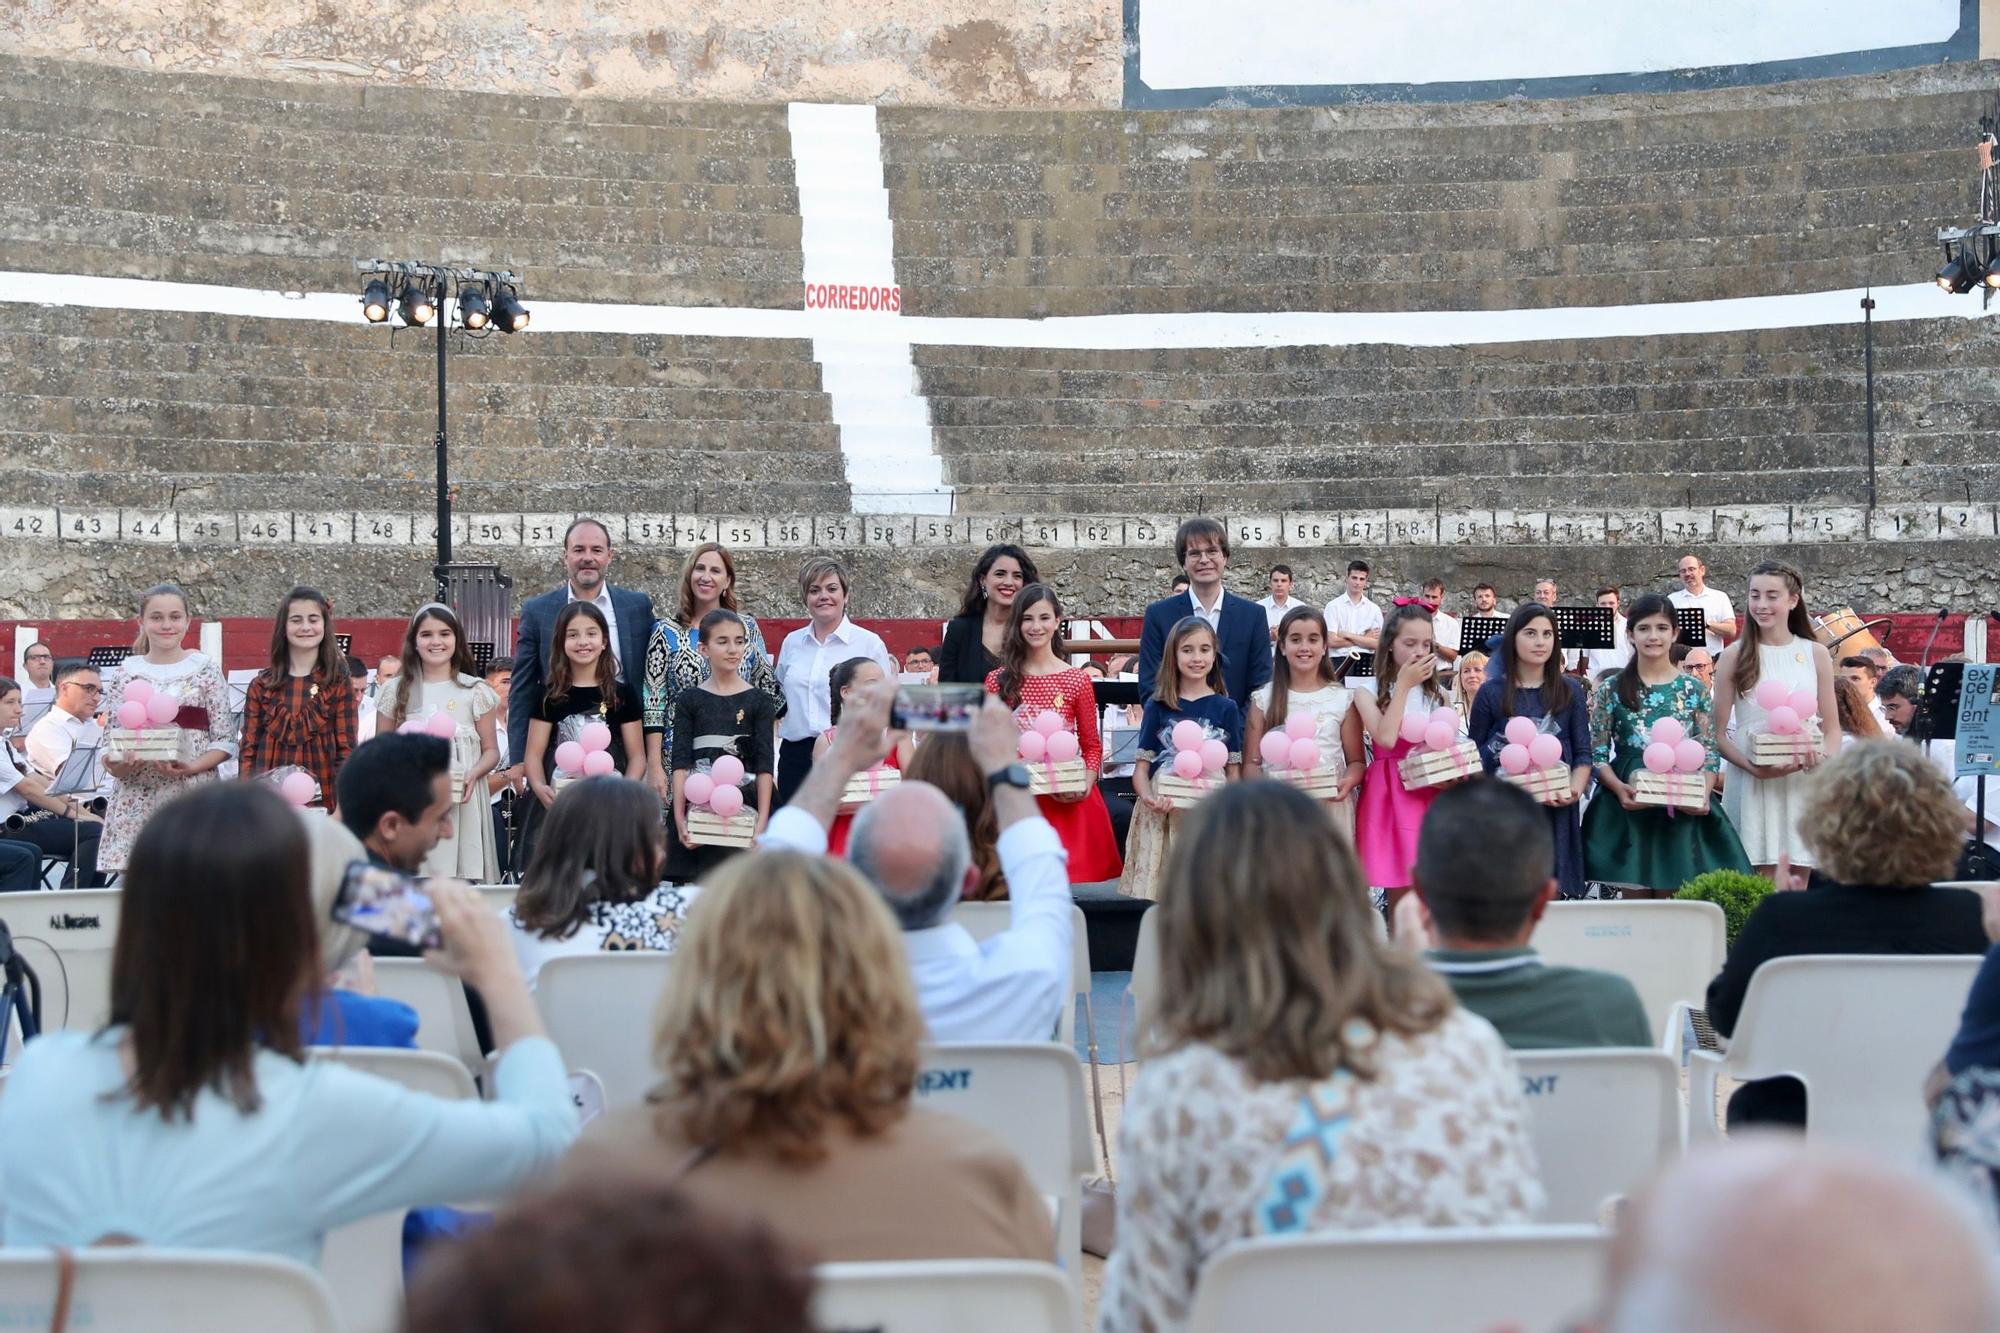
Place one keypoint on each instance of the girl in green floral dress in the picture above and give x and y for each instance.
(1643, 850)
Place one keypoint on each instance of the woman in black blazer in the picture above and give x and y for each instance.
(972, 637)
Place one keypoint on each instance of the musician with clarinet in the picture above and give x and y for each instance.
(34, 824)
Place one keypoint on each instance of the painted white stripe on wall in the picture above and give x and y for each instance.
(890, 456)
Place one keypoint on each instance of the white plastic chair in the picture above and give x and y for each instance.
(363, 1261)
(499, 897)
(168, 1291)
(963, 1295)
(985, 920)
(1456, 1280)
(444, 1021)
(1603, 1122)
(1029, 1094)
(599, 1010)
(1860, 1030)
(67, 937)
(1669, 950)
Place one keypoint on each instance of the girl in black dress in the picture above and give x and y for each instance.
(723, 715)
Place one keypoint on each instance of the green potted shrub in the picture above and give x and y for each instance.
(1736, 893)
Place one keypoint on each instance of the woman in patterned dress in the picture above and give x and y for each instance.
(141, 786)
(674, 662)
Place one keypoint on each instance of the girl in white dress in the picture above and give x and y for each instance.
(141, 786)
(1304, 679)
(1764, 800)
(439, 678)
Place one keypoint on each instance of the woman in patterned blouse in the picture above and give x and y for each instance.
(301, 708)
(1305, 1075)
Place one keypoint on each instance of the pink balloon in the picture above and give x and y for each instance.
(1803, 702)
(1545, 751)
(1413, 727)
(1305, 755)
(1187, 735)
(1520, 730)
(1048, 722)
(1276, 749)
(410, 727)
(596, 763)
(727, 770)
(1771, 694)
(569, 757)
(298, 788)
(726, 801)
(1659, 757)
(139, 690)
(1034, 746)
(132, 714)
(162, 709)
(698, 787)
(1669, 731)
(1063, 746)
(1214, 756)
(1785, 720)
(1187, 764)
(1514, 757)
(1442, 732)
(1690, 756)
(1301, 726)
(441, 725)
(595, 736)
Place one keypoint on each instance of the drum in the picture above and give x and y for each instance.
(1846, 634)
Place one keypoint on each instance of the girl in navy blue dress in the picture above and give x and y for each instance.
(1526, 679)
(1190, 689)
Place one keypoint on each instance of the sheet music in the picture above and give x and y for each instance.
(79, 773)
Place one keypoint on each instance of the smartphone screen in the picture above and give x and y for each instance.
(935, 707)
(388, 903)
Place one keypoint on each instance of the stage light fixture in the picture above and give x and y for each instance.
(417, 304)
(375, 301)
(1962, 270)
(473, 311)
(508, 312)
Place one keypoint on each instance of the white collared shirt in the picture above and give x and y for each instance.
(1211, 614)
(1345, 615)
(1009, 987)
(51, 740)
(1274, 610)
(803, 664)
(1714, 604)
(11, 800)
(1613, 658)
(603, 603)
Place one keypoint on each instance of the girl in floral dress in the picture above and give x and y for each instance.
(439, 677)
(141, 786)
(1034, 676)
(1305, 680)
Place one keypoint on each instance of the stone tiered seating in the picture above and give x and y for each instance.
(1810, 186)
(131, 173)
(126, 408)
(1765, 417)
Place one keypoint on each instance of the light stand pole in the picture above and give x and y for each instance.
(1867, 363)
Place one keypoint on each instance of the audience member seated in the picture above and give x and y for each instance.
(193, 1120)
(1899, 692)
(1883, 825)
(788, 1039)
(1305, 1076)
(945, 761)
(911, 843)
(1774, 1235)
(55, 826)
(611, 1257)
(594, 881)
(344, 1009)
(1485, 873)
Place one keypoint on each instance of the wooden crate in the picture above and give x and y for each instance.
(1436, 768)
(1768, 747)
(458, 772)
(159, 745)
(708, 829)
(1678, 791)
(1064, 779)
(867, 786)
(561, 780)
(1318, 783)
(1182, 792)
(1547, 785)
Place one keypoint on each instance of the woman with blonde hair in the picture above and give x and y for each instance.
(1281, 1008)
(788, 1042)
(1465, 685)
(1884, 825)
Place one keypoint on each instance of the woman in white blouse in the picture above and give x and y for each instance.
(1304, 1075)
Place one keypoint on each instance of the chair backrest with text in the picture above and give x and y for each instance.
(67, 938)
(599, 1009)
(1603, 1122)
(167, 1291)
(1669, 950)
(963, 1295)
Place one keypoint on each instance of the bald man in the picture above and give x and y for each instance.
(911, 844)
(1771, 1235)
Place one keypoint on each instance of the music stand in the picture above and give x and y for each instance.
(1943, 710)
(77, 775)
(344, 642)
(105, 658)
(1693, 621)
(1123, 693)
(482, 654)
(33, 713)
(1360, 664)
(1474, 631)
(1585, 626)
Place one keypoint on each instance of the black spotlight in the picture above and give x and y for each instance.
(417, 305)
(1962, 271)
(375, 301)
(473, 312)
(509, 313)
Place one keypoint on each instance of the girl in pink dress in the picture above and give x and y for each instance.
(1387, 817)
(1033, 676)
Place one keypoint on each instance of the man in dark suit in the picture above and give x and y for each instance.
(1242, 633)
(587, 556)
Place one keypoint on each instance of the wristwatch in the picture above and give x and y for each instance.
(1013, 775)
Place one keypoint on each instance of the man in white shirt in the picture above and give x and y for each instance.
(1546, 593)
(806, 658)
(911, 843)
(1615, 657)
(1353, 623)
(70, 721)
(1714, 603)
(1280, 600)
(1446, 629)
(38, 691)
